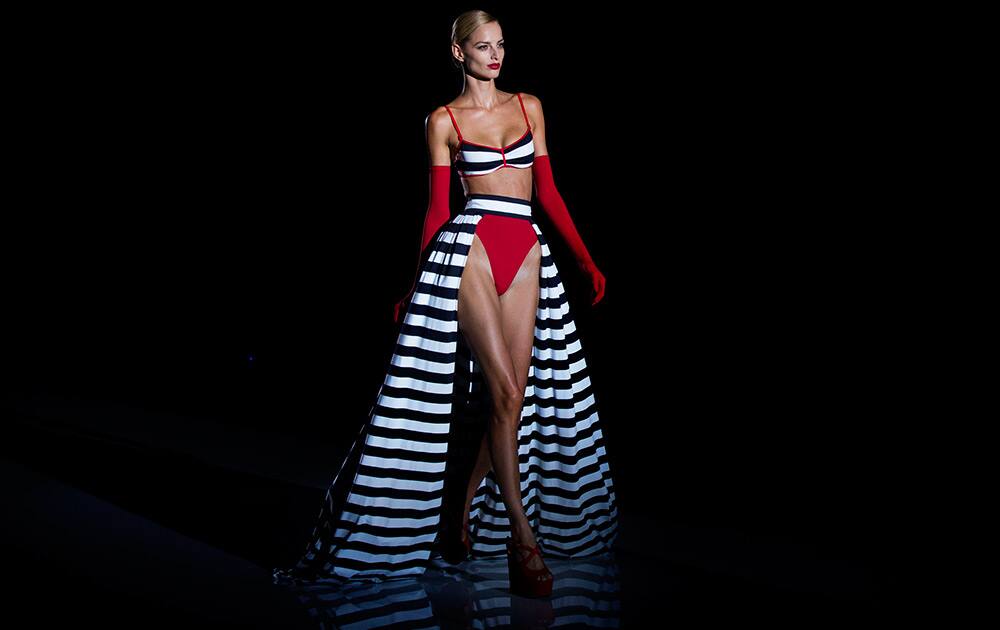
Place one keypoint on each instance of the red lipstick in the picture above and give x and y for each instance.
(494, 66)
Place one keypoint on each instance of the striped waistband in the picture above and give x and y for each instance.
(481, 203)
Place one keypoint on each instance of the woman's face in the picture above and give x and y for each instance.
(484, 51)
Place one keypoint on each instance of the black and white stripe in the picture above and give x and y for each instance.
(477, 159)
(380, 516)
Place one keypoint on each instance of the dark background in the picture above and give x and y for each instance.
(221, 210)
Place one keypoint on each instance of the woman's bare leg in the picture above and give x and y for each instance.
(500, 332)
(518, 306)
(484, 464)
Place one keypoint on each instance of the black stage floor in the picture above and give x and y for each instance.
(130, 517)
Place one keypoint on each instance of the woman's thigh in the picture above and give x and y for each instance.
(480, 323)
(499, 329)
(518, 310)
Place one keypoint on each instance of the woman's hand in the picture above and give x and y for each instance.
(399, 310)
(596, 280)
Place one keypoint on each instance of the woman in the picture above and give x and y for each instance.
(487, 326)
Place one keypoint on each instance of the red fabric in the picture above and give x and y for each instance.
(552, 203)
(438, 213)
(506, 253)
(507, 241)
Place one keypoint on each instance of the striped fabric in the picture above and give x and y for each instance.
(474, 159)
(380, 517)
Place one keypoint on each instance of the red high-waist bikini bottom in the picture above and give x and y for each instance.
(507, 241)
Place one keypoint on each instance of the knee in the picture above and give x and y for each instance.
(508, 403)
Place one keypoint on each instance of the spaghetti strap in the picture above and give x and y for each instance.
(454, 122)
(526, 121)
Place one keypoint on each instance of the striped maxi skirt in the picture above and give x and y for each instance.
(381, 514)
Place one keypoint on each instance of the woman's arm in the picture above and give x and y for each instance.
(552, 202)
(437, 126)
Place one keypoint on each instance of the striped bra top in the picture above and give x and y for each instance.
(474, 159)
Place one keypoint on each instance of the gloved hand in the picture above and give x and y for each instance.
(596, 281)
(399, 310)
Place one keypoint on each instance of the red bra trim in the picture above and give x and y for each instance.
(488, 146)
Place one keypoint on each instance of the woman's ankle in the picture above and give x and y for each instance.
(523, 535)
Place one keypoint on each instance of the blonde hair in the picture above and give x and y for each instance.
(464, 25)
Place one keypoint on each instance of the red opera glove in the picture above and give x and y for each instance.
(554, 206)
(438, 213)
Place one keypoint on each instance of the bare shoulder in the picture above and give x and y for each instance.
(528, 97)
(438, 123)
(439, 117)
(532, 104)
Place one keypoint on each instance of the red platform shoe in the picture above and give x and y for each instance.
(525, 581)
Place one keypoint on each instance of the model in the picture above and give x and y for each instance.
(487, 329)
